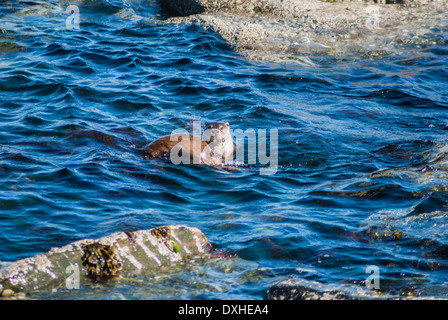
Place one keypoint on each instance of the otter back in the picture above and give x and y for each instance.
(198, 152)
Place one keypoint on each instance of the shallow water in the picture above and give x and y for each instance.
(362, 149)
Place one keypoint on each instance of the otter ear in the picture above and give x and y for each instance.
(227, 124)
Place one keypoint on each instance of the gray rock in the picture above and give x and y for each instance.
(181, 8)
(122, 253)
(301, 289)
(295, 289)
(289, 30)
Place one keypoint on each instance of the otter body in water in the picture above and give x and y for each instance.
(214, 147)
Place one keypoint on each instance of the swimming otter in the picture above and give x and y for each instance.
(215, 147)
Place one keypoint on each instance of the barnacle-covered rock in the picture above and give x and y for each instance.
(112, 256)
(291, 30)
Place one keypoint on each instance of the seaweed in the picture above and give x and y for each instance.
(102, 261)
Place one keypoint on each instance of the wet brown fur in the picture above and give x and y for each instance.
(161, 148)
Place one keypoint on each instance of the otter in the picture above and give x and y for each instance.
(219, 138)
(214, 148)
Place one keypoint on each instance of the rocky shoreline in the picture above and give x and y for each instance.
(123, 255)
(112, 256)
(283, 30)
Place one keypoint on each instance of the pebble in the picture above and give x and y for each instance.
(8, 293)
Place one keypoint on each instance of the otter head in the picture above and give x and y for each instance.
(216, 132)
(217, 135)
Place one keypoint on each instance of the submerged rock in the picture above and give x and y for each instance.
(290, 29)
(181, 8)
(122, 253)
(296, 289)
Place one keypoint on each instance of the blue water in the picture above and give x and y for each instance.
(76, 106)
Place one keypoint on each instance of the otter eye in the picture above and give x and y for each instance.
(227, 124)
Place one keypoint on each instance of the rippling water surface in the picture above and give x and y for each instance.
(362, 151)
